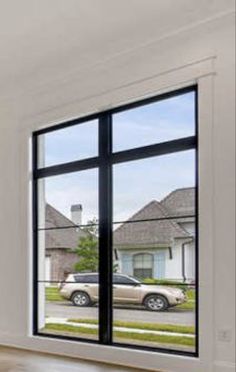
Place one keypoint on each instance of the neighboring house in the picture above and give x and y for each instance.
(60, 243)
(163, 248)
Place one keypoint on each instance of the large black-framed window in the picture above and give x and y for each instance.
(104, 156)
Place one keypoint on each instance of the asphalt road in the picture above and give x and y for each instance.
(171, 316)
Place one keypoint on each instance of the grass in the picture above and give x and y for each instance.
(190, 304)
(191, 294)
(187, 306)
(143, 326)
(148, 337)
(53, 295)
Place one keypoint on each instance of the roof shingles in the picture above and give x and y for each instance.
(159, 232)
(62, 237)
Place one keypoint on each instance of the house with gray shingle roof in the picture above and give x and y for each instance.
(156, 242)
(61, 238)
(159, 240)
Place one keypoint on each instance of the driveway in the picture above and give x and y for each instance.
(171, 316)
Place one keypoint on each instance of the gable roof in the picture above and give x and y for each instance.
(59, 237)
(54, 218)
(181, 202)
(158, 232)
(149, 233)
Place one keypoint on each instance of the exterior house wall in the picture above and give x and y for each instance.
(190, 252)
(174, 265)
(163, 266)
(62, 263)
(190, 262)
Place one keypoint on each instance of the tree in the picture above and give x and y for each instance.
(88, 249)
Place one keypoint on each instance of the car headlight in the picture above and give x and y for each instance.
(176, 292)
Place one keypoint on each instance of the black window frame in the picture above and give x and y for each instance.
(104, 161)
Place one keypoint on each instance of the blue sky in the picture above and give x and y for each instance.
(154, 123)
(135, 183)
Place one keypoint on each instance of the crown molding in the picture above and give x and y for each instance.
(51, 84)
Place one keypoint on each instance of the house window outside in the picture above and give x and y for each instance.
(143, 265)
(111, 194)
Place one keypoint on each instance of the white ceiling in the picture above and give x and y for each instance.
(41, 40)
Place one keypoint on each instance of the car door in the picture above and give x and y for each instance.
(91, 286)
(125, 290)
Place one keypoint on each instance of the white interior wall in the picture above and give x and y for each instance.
(142, 71)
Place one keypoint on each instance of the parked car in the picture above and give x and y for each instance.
(82, 290)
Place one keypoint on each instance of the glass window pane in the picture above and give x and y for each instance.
(69, 144)
(155, 187)
(162, 121)
(143, 261)
(58, 316)
(68, 199)
(154, 231)
(68, 281)
(154, 241)
(68, 250)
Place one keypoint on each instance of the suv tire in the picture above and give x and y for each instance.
(156, 302)
(81, 299)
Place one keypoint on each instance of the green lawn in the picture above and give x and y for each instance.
(191, 294)
(190, 304)
(52, 294)
(143, 326)
(148, 337)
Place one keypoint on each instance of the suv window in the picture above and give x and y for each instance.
(119, 279)
(86, 278)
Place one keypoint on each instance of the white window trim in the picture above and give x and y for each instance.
(202, 73)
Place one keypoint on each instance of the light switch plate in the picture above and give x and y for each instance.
(224, 335)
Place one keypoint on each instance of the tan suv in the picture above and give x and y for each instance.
(82, 290)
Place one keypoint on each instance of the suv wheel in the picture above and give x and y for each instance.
(80, 299)
(156, 303)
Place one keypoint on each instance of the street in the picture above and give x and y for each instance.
(131, 313)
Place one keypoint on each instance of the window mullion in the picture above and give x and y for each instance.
(105, 230)
(35, 233)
